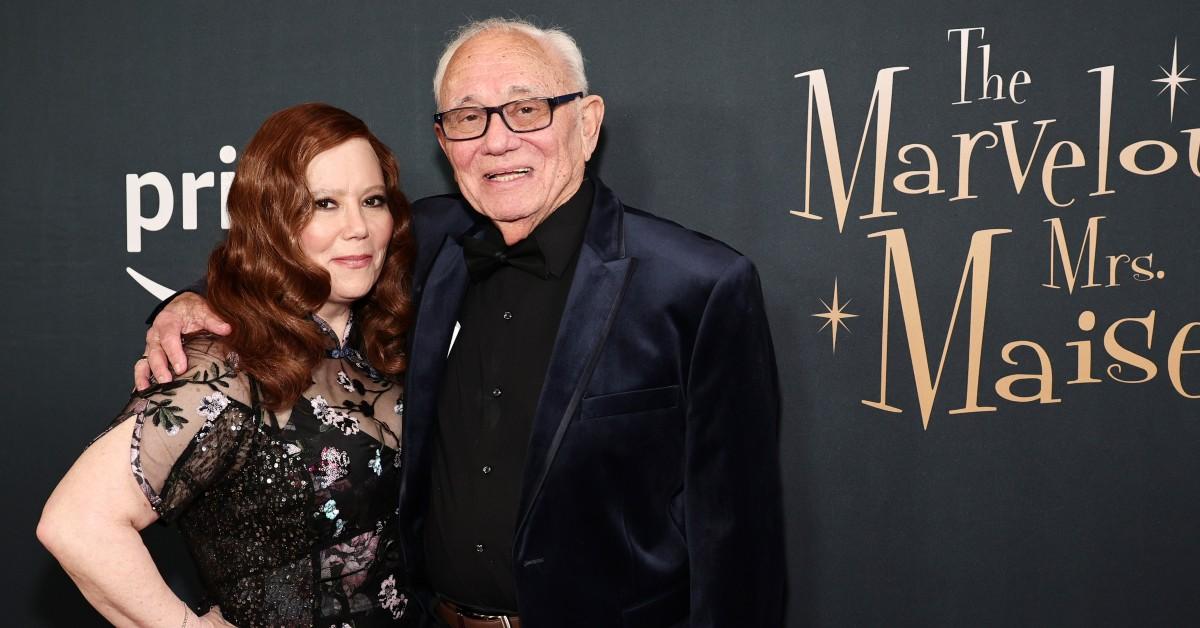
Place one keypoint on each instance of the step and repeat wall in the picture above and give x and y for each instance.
(976, 225)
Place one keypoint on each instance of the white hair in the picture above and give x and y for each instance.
(554, 39)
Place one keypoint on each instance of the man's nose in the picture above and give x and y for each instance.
(498, 138)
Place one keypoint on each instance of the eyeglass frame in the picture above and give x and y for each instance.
(552, 101)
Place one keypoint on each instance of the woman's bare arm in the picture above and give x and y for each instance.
(92, 523)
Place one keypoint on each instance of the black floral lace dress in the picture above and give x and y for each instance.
(290, 517)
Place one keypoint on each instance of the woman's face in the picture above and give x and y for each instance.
(351, 224)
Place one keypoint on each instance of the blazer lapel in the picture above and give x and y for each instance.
(601, 275)
(440, 299)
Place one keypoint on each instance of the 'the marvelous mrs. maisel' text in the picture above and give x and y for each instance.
(1073, 263)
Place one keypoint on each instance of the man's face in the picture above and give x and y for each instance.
(517, 179)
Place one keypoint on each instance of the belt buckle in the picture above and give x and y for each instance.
(503, 619)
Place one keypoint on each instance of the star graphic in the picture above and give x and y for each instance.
(834, 315)
(1174, 79)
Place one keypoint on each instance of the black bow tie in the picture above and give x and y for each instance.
(484, 257)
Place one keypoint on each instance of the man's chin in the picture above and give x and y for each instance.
(512, 216)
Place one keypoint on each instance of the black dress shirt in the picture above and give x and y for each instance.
(489, 394)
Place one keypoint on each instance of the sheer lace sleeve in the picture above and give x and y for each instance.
(191, 432)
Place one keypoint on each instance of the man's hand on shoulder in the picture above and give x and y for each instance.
(164, 356)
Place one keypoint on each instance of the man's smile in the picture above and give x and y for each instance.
(507, 175)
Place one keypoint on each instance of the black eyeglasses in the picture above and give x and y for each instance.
(520, 116)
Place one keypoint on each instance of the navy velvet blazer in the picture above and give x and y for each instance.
(651, 493)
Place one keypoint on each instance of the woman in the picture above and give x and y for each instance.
(277, 452)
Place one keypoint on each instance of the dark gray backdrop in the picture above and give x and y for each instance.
(1082, 512)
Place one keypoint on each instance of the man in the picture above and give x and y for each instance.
(592, 407)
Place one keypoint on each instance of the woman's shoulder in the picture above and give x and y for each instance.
(212, 365)
(205, 351)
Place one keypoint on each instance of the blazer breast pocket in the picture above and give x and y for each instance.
(630, 402)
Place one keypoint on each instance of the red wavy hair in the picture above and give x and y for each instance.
(261, 282)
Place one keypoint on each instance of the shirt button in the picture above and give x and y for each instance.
(479, 548)
(496, 392)
(507, 316)
(487, 468)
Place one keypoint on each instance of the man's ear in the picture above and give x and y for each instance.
(441, 138)
(591, 115)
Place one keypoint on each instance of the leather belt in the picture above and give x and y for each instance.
(458, 617)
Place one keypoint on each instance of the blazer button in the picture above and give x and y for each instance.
(496, 392)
